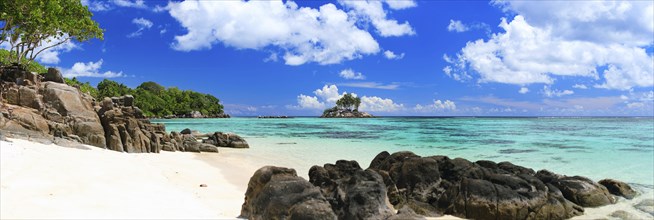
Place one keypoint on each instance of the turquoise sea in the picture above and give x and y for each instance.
(621, 148)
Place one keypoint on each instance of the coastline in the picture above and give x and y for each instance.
(63, 182)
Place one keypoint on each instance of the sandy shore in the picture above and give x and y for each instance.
(48, 181)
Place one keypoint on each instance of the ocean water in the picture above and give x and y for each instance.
(620, 148)
(597, 148)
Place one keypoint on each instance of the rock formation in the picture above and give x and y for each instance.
(344, 113)
(45, 107)
(436, 185)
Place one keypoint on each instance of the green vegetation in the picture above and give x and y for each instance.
(157, 101)
(33, 26)
(348, 101)
(6, 57)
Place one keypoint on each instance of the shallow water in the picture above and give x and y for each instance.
(619, 148)
(598, 148)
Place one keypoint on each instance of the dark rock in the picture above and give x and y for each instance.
(618, 188)
(53, 75)
(220, 139)
(352, 192)
(579, 190)
(278, 193)
(185, 131)
(29, 98)
(203, 185)
(208, 148)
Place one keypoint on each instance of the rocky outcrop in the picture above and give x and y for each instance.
(46, 107)
(436, 185)
(344, 113)
(278, 193)
(618, 188)
(352, 192)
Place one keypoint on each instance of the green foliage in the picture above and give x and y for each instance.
(32, 26)
(84, 87)
(157, 101)
(7, 57)
(348, 101)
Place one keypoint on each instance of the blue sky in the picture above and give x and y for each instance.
(499, 58)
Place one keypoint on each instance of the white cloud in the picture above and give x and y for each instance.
(556, 93)
(51, 54)
(635, 105)
(392, 56)
(325, 35)
(142, 24)
(329, 93)
(96, 5)
(438, 105)
(309, 102)
(458, 26)
(400, 4)
(373, 11)
(523, 90)
(89, 69)
(371, 85)
(131, 4)
(647, 96)
(377, 104)
(548, 39)
(579, 86)
(350, 74)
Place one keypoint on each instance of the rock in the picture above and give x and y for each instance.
(191, 145)
(482, 190)
(203, 185)
(344, 113)
(618, 188)
(185, 131)
(208, 148)
(220, 139)
(29, 98)
(53, 75)
(352, 192)
(621, 214)
(278, 193)
(647, 206)
(29, 119)
(579, 190)
(195, 114)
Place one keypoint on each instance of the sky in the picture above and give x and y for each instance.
(418, 58)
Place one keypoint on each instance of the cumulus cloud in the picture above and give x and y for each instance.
(523, 90)
(326, 35)
(329, 94)
(97, 5)
(438, 105)
(549, 39)
(392, 56)
(377, 104)
(371, 85)
(90, 69)
(142, 24)
(555, 93)
(350, 74)
(374, 12)
(457, 26)
(400, 4)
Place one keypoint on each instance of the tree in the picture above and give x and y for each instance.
(33, 26)
(348, 101)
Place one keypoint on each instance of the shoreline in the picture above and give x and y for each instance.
(63, 182)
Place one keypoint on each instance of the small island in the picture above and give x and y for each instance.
(346, 107)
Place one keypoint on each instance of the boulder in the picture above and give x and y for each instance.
(185, 131)
(352, 192)
(29, 98)
(618, 188)
(278, 193)
(344, 113)
(220, 139)
(53, 75)
(579, 190)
